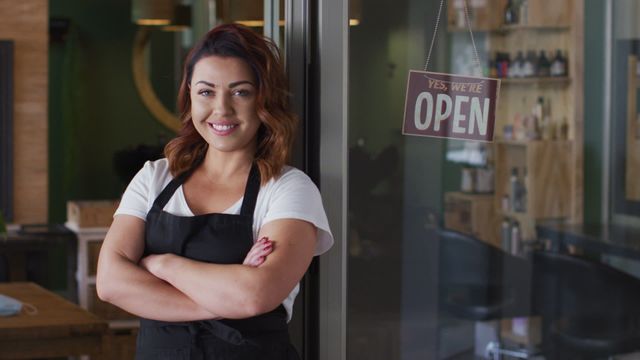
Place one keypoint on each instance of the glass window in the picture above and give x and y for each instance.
(465, 250)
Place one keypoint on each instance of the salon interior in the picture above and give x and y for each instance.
(525, 245)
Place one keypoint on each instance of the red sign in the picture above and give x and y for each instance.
(450, 106)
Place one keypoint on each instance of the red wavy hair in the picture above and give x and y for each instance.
(276, 133)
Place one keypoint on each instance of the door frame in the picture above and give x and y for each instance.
(332, 51)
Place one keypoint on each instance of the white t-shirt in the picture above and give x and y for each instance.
(291, 196)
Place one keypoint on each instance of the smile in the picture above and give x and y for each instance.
(222, 129)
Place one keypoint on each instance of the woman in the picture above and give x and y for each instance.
(182, 251)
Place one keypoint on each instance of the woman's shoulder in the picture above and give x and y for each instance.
(157, 169)
(290, 176)
(153, 175)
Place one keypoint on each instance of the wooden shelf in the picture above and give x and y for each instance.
(519, 27)
(512, 142)
(505, 29)
(525, 143)
(561, 80)
(514, 214)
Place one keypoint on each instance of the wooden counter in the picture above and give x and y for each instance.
(58, 328)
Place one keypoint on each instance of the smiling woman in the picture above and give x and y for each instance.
(208, 245)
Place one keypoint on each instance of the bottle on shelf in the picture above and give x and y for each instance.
(515, 69)
(506, 64)
(505, 236)
(516, 239)
(510, 13)
(558, 65)
(544, 65)
(513, 189)
(493, 70)
(529, 69)
(502, 64)
(517, 191)
(523, 12)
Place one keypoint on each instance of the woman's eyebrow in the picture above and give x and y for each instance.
(205, 82)
(236, 83)
(231, 85)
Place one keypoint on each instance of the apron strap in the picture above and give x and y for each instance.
(248, 202)
(251, 192)
(168, 190)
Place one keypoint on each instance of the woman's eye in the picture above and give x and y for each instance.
(205, 92)
(242, 92)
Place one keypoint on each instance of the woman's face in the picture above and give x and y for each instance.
(223, 103)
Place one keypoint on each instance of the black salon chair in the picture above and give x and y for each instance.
(589, 309)
(478, 281)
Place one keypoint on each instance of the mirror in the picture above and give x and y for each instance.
(158, 51)
(165, 71)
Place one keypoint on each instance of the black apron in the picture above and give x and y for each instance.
(220, 239)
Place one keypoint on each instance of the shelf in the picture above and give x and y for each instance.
(520, 216)
(528, 142)
(510, 28)
(471, 195)
(505, 29)
(512, 142)
(562, 80)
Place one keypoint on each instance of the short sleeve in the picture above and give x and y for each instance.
(295, 196)
(135, 200)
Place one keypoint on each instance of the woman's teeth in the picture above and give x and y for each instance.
(222, 127)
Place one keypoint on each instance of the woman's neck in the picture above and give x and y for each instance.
(222, 165)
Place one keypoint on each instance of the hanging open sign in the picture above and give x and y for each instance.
(450, 106)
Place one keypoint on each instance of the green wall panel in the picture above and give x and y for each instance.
(94, 109)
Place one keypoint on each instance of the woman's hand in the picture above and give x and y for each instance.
(258, 253)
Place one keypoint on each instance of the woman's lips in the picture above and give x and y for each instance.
(222, 129)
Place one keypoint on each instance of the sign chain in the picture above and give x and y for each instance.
(435, 32)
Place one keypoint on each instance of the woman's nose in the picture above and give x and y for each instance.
(222, 105)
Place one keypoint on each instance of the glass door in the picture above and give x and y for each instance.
(455, 249)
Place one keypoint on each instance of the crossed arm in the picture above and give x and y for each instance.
(172, 288)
